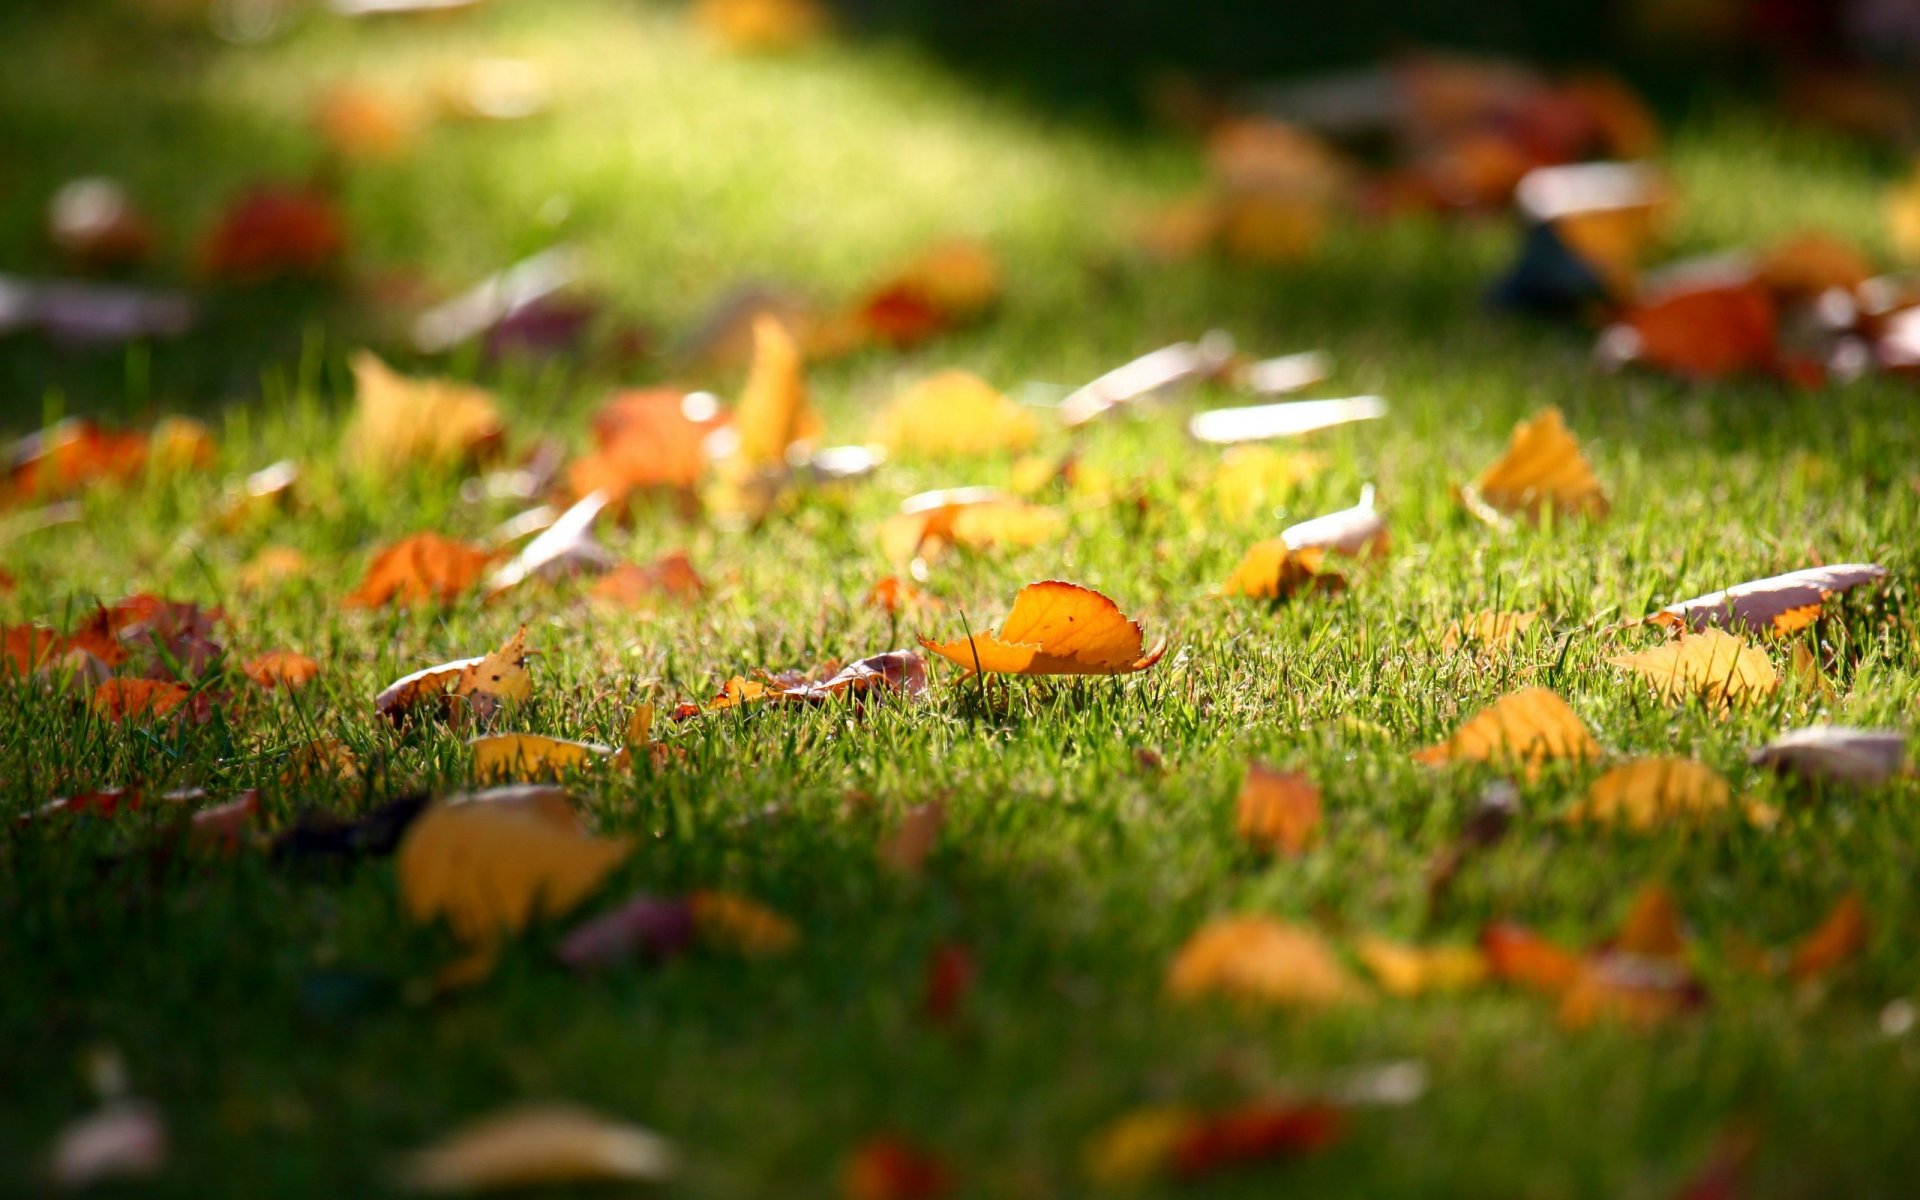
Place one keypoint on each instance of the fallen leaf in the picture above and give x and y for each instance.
(273, 232)
(138, 699)
(399, 421)
(71, 455)
(635, 585)
(1278, 811)
(423, 569)
(1717, 667)
(1837, 752)
(1651, 792)
(1357, 531)
(653, 438)
(1542, 468)
(1838, 939)
(364, 123)
(773, 413)
(1801, 268)
(890, 1168)
(643, 927)
(491, 862)
(905, 848)
(1700, 329)
(946, 286)
(281, 668)
(566, 546)
(740, 924)
(1405, 970)
(1055, 628)
(272, 565)
(975, 518)
(1255, 1133)
(1652, 926)
(1778, 605)
(1273, 570)
(893, 595)
(762, 26)
(1251, 479)
(525, 757)
(1293, 418)
(123, 1139)
(485, 682)
(1517, 955)
(954, 414)
(1260, 959)
(1525, 728)
(1146, 375)
(321, 758)
(1487, 630)
(897, 672)
(545, 1145)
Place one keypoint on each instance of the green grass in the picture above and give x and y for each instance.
(284, 1019)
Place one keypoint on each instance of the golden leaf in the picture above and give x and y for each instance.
(1261, 959)
(423, 569)
(1278, 811)
(1055, 628)
(1273, 570)
(500, 674)
(1717, 667)
(1542, 468)
(976, 518)
(760, 26)
(401, 421)
(773, 412)
(544, 1145)
(1405, 970)
(281, 668)
(1490, 630)
(742, 924)
(1650, 792)
(527, 756)
(954, 414)
(1528, 727)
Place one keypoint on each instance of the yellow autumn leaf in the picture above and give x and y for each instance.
(1542, 468)
(1253, 478)
(1488, 630)
(1406, 970)
(1278, 811)
(954, 414)
(501, 674)
(491, 862)
(1055, 628)
(1903, 217)
(1649, 792)
(759, 26)
(976, 518)
(1273, 570)
(525, 756)
(1717, 667)
(1264, 960)
(399, 421)
(1525, 728)
(544, 1145)
(1137, 1146)
(774, 412)
(742, 924)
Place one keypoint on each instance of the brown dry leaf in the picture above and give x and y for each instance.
(1273, 570)
(491, 862)
(272, 565)
(1836, 752)
(1487, 630)
(1278, 811)
(1650, 792)
(905, 848)
(400, 421)
(1525, 728)
(634, 585)
(1781, 604)
(1407, 970)
(1358, 531)
(773, 412)
(423, 569)
(547, 1145)
(651, 438)
(762, 26)
(1719, 668)
(1055, 628)
(138, 699)
(1542, 468)
(742, 924)
(281, 668)
(1839, 938)
(70, 455)
(954, 414)
(1261, 959)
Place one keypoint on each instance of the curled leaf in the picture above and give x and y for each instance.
(1779, 605)
(1353, 531)
(547, 1145)
(1055, 628)
(1837, 752)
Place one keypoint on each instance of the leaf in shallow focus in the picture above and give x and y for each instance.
(1251, 479)
(1273, 570)
(744, 925)
(497, 678)
(975, 518)
(954, 414)
(773, 412)
(1650, 792)
(1717, 667)
(546, 1145)
(1779, 605)
(650, 438)
(1055, 628)
(1261, 959)
(889, 1168)
(1700, 330)
(1524, 728)
(1487, 630)
(138, 699)
(523, 757)
(1278, 811)
(400, 421)
(281, 668)
(423, 569)
(1407, 970)
(1836, 752)
(1542, 468)
(1838, 939)
(637, 585)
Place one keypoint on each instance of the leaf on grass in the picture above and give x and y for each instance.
(1652, 927)
(1055, 628)
(891, 1168)
(419, 570)
(762, 26)
(491, 862)
(1292, 418)
(773, 413)
(399, 421)
(1699, 329)
(272, 565)
(1525, 728)
(743, 925)
(1779, 605)
(1407, 970)
(1278, 811)
(1639, 978)
(1272, 570)
(273, 232)
(564, 547)
(1487, 630)
(894, 595)
(1150, 373)
(637, 585)
(524, 757)
(643, 927)
(282, 669)
(1518, 955)
(945, 287)
(1542, 468)
(1355, 531)
(140, 699)
(1254, 1133)
(1838, 939)
(975, 518)
(905, 847)
(1837, 752)
(1651, 792)
(68, 456)
(954, 414)
(1261, 959)
(492, 678)
(546, 1145)
(1717, 667)
(652, 438)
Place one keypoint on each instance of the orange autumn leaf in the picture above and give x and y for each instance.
(1542, 468)
(740, 924)
(773, 412)
(944, 287)
(954, 414)
(1273, 570)
(1838, 939)
(761, 26)
(894, 595)
(1528, 727)
(273, 564)
(1488, 630)
(485, 681)
(1406, 970)
(359, 122)
(68, 456)
(1705, 331)
(1055, 628)
(1781, 604)
(135, 699)
(636, 585)
(1717, 667)
(1264, 960)
(423, 569)
(888, 1168)
(1808, 264)
(975, 518)
(274, 232)
(1652, 926)
(399, 421)
(1650, 792)
(281, 668)
(648, 438)
(1517, 955)
(1278, 811)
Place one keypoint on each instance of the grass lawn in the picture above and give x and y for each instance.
(285, 1020)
